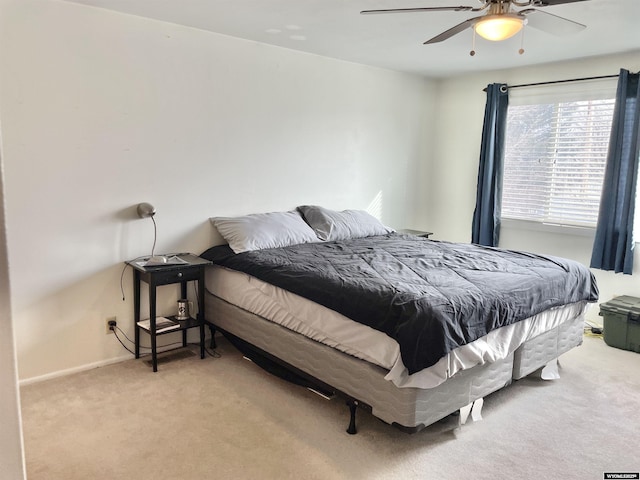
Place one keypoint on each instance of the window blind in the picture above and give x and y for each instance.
(555, 155)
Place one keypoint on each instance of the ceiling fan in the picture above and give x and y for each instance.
(501, 20)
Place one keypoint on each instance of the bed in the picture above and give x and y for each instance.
(407, 328)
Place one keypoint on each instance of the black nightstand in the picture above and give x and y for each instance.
(418, 233)
(191, 270)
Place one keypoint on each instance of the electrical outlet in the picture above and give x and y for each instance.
(110, 324)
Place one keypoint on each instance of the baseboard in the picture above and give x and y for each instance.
(90, 366)
(69, 371)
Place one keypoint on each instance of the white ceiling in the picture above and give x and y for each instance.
(335, 28)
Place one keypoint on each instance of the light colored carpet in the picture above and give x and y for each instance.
(224, 418)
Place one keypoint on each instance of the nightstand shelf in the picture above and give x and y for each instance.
(157, 275)
(185, 324)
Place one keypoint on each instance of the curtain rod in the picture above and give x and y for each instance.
(558, 81)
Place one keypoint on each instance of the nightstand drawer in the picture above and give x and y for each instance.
(175, 276)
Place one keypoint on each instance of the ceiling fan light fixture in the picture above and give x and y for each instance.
(499, 27)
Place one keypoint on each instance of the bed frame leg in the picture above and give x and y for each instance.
(353, 405)
(212, 329)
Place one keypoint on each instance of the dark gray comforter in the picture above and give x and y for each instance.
(430, 296)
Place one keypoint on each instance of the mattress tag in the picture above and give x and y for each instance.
(464, 413)
(476, 410)
(550, 371)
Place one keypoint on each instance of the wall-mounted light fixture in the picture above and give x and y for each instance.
(146, 210)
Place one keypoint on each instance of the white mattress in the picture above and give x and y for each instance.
(335, 330)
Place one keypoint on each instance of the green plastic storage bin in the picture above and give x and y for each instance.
(621, 323)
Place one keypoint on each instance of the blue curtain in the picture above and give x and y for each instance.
(486, 217)
(613, 245)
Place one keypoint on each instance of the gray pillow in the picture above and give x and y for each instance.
(331, 225)
(264, 230)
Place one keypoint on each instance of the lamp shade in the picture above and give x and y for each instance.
(146, 210)
(499, 27)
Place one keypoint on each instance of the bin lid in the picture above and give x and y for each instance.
(624, 305)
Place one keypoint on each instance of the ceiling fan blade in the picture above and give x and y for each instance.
(419, 9)
(550, 23)
(551, 3)
(453, 31)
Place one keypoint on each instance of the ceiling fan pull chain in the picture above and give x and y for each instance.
(473, 42)
(521, 51)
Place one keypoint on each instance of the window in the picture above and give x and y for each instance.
(555, 155)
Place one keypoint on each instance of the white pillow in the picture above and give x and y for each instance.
(264, 230)
(330, 225)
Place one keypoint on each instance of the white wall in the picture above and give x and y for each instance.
(101, 111)
(11, 444)
(454, 170)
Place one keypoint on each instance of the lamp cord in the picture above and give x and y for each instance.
(155, 235)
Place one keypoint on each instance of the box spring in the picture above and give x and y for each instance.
(408, 408)
(538, 351)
